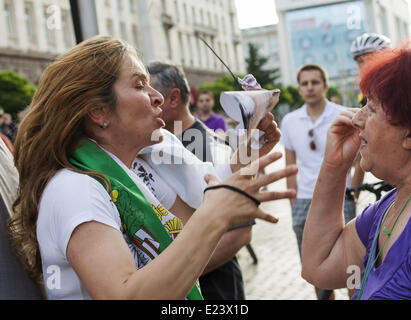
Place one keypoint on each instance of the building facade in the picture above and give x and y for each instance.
(266, 39)
(33, 32)
(321, 31)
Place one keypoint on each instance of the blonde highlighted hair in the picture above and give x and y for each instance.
(76, 83)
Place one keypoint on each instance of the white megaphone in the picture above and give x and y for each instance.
(249, 107)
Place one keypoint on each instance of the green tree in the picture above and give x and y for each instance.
(297, 101)
(333, 91)
(15, 92)
(221, 84)
(255, 65)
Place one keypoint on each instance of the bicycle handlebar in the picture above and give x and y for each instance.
(376, 188)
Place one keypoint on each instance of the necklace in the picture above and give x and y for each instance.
(388, 232)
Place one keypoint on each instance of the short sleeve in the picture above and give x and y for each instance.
(285, 140)
(363, 224)
(74, 199)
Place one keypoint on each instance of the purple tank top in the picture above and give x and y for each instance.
(391, 280)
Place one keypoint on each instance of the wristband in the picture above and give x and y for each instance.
(257, 202)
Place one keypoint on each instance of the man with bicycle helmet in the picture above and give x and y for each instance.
(362, 47)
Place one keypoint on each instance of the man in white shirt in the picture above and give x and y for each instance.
(304, 136)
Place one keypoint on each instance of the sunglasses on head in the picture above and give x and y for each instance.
(312, 143)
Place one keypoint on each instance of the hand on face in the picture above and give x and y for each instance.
(343, 141)
(236, 208)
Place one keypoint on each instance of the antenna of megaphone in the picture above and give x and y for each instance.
(222, 61)
(245, 121)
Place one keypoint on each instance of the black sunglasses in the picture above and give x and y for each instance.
(312, 143)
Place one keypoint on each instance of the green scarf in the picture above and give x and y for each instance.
(139, 220)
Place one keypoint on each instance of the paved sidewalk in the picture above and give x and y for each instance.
(277, 275)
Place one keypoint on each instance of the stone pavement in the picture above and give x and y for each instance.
(277, 275)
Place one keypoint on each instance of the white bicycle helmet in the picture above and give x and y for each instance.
(369, 42)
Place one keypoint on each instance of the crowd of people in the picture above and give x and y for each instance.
(83, 191)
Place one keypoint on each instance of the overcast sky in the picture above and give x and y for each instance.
(255, 13)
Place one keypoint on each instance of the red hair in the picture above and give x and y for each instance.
(387, 78)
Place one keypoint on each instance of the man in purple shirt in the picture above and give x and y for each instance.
(205, 104)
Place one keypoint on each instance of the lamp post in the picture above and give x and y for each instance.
(84, 19)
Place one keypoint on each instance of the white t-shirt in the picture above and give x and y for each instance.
(294, 128)
(71, 199)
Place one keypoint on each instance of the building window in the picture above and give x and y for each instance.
(185, 13)
(135, 36)
(206, 52)
(190, 48)
(226, 51)
(132, 5)
(201, 16)
(66, 27)
(28, 22)
(182, 52)
(198, 52)
(176, 10)
(9, 19)
(120, 5)
(109, 26)
(232, 20)
(168, 42)
(384, 22)
(193, 10)
(220, 51)
(123, 31)
(405, 27)
(50, 26)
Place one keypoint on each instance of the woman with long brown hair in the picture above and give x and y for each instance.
(83, 221)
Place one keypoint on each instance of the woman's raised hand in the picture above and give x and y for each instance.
(343, 141)
(237, 208)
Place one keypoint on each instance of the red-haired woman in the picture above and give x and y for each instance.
(378, 241)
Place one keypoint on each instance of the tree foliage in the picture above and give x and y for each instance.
(15, 92)
(333, 91)
(265, 77)
(255, 65)
(224, 83)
